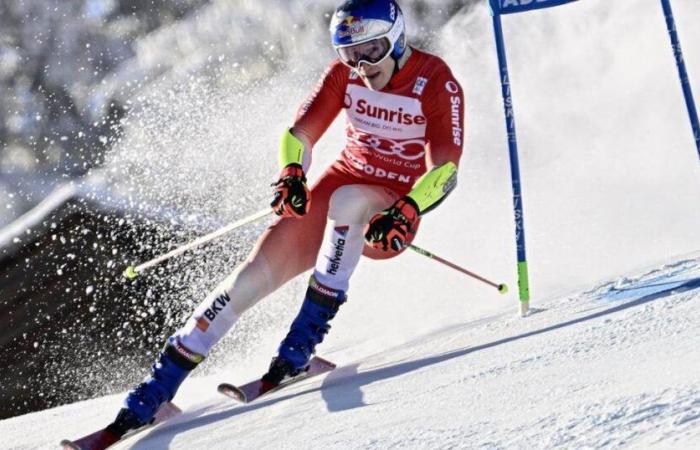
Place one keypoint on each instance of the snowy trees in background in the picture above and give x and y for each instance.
(53, 56)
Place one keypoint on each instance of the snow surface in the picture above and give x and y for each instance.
(429, 359)
(588, 370)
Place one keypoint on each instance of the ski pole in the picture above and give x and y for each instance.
(132, 272)
(502, 287)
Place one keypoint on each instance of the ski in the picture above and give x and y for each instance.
(103, 439)
(256, 389)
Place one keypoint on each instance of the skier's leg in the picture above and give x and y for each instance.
(187, 347)
(349, 211)
(286, 249)
(251, 281)
(350, 208)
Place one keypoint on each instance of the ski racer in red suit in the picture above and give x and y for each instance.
(404, 122)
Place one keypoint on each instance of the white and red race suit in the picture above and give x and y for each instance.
(394, 136)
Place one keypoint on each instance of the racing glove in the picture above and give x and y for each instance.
(390, 228)
(291, 196)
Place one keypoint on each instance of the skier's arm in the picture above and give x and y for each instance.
(292, 150)
(390, 228)
(433, 187)
(291, 196)
(445, 136)
(314, 117)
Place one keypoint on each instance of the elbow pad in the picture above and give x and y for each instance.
(434, 186)
(291, 150)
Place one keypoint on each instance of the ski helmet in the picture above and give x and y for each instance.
(377, 23)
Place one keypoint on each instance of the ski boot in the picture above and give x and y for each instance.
(174, 363)
(320, 306)
(279, 372)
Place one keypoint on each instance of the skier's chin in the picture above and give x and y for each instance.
(375, 81)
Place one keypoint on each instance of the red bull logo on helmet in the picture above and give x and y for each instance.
(350, 26)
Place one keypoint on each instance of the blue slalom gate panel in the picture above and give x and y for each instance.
(518, 6)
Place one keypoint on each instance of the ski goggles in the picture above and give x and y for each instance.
(370, 52)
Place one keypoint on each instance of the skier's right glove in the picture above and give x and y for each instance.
(291, 197)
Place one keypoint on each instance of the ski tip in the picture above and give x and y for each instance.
(232, 391)
(68, 445)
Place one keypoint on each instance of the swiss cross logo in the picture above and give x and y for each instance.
(420, 85)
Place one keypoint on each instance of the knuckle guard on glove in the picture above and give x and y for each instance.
(389, 229)
(291, 196)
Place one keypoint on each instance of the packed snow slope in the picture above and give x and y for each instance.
(613, 367)
(430, 359)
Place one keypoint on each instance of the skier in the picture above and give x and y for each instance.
(404, 112)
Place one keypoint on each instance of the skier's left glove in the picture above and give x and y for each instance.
(291, 197)
(391, 227)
